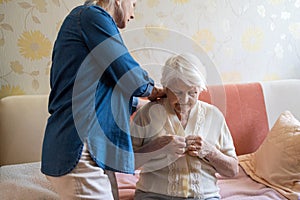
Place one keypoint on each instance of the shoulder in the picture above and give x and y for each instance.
(151, 109)
(97, 14)
(153, 106)
(91, 10)
(84, 10)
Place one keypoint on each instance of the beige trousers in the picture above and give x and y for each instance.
(86, 181)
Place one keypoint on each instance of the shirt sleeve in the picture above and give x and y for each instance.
(135, 102)
(111, 55)
(227, 141)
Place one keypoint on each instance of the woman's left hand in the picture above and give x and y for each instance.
(193, 144)
(225, 165)
(196, 146)
(157, 93)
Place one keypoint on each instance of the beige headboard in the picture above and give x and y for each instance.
(23, 115)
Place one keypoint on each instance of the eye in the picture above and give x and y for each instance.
(193, 93)
(178, 92)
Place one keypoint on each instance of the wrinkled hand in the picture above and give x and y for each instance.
(157, 93)
(170, 144)
(196, 146)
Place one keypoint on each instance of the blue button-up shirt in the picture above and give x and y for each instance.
(93, 82)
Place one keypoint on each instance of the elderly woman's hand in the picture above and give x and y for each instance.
(196, 146)
(168, 147)
(168, 144)
(171, 145)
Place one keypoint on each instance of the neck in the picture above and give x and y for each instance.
(183, 117)
(108, 8)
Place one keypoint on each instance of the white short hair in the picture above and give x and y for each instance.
(186, 67)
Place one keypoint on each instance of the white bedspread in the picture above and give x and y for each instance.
(242, 187)
(25, 181)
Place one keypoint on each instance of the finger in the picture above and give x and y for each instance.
(190, 137)
(179, 138)
(193, 153)
(193, 137)
(198, 140)
(192, 148)
(190, 142)
(181, 151)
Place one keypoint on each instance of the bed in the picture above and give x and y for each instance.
(259, 116)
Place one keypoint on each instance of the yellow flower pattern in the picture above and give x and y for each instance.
(252, 39)
(34, 45)
(4, 1)
(8, 90)
(28, 29)
(156, 33)
(4, 27)
(276, 2)
(17, 67)
(152, 3)
(40, 5)
(180, 1)
(205, 39)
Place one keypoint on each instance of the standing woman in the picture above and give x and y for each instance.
(87, 135)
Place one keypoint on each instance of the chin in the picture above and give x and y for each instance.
(122, 25)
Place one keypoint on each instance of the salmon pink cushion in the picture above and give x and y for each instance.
(244, 109)
(126, 184)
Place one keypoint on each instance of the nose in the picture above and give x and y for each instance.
(130, 18)
(183, 98)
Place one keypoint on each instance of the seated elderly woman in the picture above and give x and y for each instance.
(180, 142)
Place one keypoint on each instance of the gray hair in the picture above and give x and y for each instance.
(186, 67)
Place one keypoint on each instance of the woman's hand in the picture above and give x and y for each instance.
(172, 146)
(224, 165)
(157, 93)
(196, 146)
(168, 144)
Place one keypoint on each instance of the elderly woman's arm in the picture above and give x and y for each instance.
(225, 165)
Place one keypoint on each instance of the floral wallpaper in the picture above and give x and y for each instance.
(243, 40)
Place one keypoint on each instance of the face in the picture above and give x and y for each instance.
(181, 96)
(124, 12)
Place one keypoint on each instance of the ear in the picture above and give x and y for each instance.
(118, 3)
